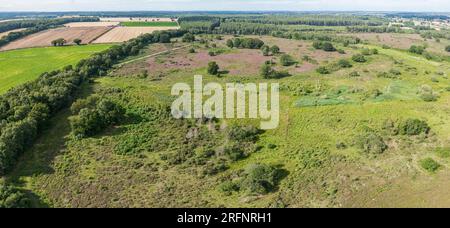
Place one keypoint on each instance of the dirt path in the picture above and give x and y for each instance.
(152, 55)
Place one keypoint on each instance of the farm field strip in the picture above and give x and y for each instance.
(44, 38)
(91, 24)
(122, 34)
(135, 19)
(20, 66)
(149, 24)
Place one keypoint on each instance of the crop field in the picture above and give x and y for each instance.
(122, 34)
(92, 24)
(44, 38)
(149, 24)
(135, 19)
(20, 66)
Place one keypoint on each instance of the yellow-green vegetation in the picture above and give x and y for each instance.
(345, 137)
(150, 24)
(20, 66)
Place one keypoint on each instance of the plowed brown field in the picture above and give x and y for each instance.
(122, 34)
(44, 38)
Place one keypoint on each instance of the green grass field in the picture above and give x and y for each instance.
(315, 143)
(20, 66)
(149, 24)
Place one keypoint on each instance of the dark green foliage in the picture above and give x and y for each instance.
(275, 50)
(447, 48)
(59, 42)
(326, 46)
(287, 60)
(417, 49)
(265, 50)
(90, 121)
(188, 38)
(359, 58)
(77, 41)
(343, 63)
(11, 197)
(260, 179)
(323, 70)
(268, 72)
(247, 43)
(371, 143)
(414, 127)
(213, 68)
(430, 165)
(191, 50)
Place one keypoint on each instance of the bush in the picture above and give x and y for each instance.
(229, 187)
(427, 94)
(90, 121)
(372, 143)
(247, 43)
(359, 58)
(323, 70)
(275, 50)
(287, 60)
(11, 197)
(343, 63)
(354, 74)
(430, 165)
(213, 68)
(447, 48)
(265, 50)
(260, 179)
(326, 46)
(417, 49)
(188, 38)
(414, 127)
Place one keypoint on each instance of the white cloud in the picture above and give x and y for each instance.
(245, 5)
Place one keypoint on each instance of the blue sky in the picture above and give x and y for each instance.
(244, 5)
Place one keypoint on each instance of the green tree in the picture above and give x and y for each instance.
(188, 38)
(327, 46)
(286, 60)
(213, 68)
(267, 71)
(275, 50)
(230, 43)
(265, 50)
(77, 41)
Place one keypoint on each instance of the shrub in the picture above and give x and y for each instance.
(414, 127)
(11, 197)
(265, 50)
(275, 49)
(417, 49)
(327, 46)
(354, 74)
(229, 187)
(260, 179)
(323, 70)
(372, 143)
(344, 63)
(247, 43)
(192, 50)
(77, 41)
(447, 48)
(430, 165)
(213, 68)
(359, 58)
(427, 94)
(286, 60)
(188, 38)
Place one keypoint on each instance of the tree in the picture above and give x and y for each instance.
(230, 43)
(286, 60)
(59, 42)
(417, 49)
(77, 41)
(188, 38)
(267, 71)
(265, 50)
(275, 49)
(213, 68)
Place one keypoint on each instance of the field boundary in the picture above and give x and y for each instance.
(96, 38)
(151, 55)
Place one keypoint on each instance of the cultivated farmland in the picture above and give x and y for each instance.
(149, 24)
(122, 34)
(20, 66)
(144, 19)
(91, 24)
(43, 39)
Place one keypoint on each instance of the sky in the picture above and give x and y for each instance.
(226, 5)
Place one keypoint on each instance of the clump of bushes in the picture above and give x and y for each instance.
(326, 46)
(427, 94)
(414, 127)
(188, 38)
(417, 49)
(371, 143)
(247, 43)
(287, 60)
(213, 68)
(430, 165)
(268, 72)
(447, 48)
(343, 63)
(323, 70)
(11, 197)
(256, 179)
(91, 118)
(359, 58)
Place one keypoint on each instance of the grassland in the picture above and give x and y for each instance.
(321, 118)
(20, 66)
(149, 24)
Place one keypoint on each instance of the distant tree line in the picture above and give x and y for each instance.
(35, 26)
(24, 110)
